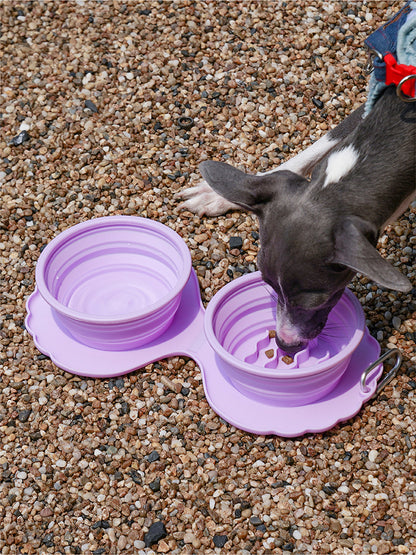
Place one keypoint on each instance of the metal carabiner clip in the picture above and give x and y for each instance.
(388, 377)
(399, 89)
(369, 67)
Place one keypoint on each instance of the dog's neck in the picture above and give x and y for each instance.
(366, 174)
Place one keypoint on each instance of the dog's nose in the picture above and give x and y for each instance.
(288, 348)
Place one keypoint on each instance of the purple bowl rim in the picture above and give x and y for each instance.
(326, 365)
(106, 221)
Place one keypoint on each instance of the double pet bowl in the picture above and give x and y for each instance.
(114, 294)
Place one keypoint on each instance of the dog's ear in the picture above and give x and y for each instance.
(354, 250)
(250, 192)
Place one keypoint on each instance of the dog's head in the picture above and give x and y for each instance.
(310, 249)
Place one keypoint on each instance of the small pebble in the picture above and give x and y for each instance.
(318, 103)
(155, 485)
(91, 106)
(157, 531)
(396, 321)
(372, 455)
(297, 535)
(21, 138)
(154, 456)
(220, 540)
(235, 243)
(23, 415)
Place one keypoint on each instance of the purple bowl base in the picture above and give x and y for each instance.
(83, 360)
(255, 416)
(185, 337)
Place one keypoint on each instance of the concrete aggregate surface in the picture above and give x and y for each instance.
(106, 108)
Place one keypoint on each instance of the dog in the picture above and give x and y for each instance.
(321, 212)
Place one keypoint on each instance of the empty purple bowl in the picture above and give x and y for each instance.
(114, 283)
(237, 323)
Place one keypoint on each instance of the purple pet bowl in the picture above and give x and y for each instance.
(114, 283)
(237, 321)
(117, 293)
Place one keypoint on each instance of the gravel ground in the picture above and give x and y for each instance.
(92, 92)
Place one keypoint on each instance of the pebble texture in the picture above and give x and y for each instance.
(107, 108)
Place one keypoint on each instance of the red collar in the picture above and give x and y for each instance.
(401, 75)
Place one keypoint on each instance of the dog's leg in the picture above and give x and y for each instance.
(201, 199)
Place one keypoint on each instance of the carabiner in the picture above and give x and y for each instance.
(369, 67)
(388, 377)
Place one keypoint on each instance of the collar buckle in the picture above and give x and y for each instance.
(401, 75)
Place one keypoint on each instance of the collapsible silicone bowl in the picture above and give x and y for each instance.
(237, 321)
(114, 283)
(106, 303)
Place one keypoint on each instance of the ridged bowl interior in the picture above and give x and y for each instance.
(238, 322)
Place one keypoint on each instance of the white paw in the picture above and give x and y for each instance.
(201, 200)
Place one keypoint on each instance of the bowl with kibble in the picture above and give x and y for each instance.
(239, 325)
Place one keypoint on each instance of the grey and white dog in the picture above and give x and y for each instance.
(320, 213)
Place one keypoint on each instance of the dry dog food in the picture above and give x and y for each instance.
(269, 353)
(287, 359)
(272, 333)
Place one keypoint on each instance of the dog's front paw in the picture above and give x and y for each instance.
(202, 200)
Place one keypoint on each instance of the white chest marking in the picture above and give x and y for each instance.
(340, 163)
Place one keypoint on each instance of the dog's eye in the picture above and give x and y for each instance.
(338, 268)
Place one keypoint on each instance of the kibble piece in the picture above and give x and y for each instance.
(269, 353)
(287, 359)
(272, 333)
